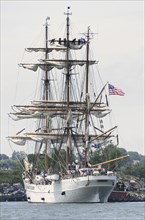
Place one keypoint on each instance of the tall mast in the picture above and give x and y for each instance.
(87, 98)
(87, 59)
(46, 84)
(68, 86)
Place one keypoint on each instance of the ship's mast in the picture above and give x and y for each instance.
(68, 86)
(87, 98)
(46, 84)
(87, 59)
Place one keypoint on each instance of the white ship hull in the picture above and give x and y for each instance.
(73, 190)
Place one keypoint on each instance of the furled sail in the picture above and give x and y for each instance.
(49, 65)
(18, 140)
(72, 103)
(34, 67)
(56, 137)
(63, 63)
(30, 111)
(48, 50)
(75, 47)
(100, 114)
(19, 116)
(56, 48)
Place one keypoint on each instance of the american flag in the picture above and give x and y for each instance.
(115, 91)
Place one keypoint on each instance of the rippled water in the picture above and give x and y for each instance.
(98, 211)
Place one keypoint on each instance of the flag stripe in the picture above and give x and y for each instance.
(115, 91)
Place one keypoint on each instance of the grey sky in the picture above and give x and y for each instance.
(119, 47)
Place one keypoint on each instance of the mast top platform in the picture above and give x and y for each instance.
(68, 13)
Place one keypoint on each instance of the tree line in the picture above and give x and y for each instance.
(11, 167)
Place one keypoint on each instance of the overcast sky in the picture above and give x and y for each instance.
(119, 49)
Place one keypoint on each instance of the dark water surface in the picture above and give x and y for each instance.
(98, 211)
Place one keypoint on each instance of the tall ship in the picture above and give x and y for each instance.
(69, 115)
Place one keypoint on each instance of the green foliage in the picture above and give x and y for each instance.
(11, 170)
(135, 156)
(37, 160)
(126, 165)
(137, 170)
(10, 176)
(56, 161)
(9, 164)
(105, 154)
(3, 157)
(18, 155)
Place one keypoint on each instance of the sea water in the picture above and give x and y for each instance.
(90, 211)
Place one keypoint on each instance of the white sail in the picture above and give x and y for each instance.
(100, 114)
(72, 103)
(63, 63)
(19, 116)
(34, 67)
(36, 112)
(51, 64)
(75, 47)
(56, 47)
(17, 140)
(48, 50)
(57, 137)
